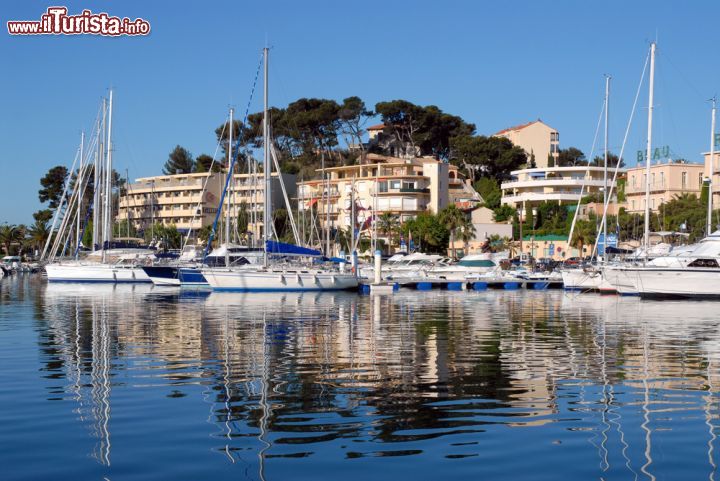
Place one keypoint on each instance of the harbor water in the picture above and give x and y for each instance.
(132, 382)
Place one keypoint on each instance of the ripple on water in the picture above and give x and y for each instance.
(137, 383)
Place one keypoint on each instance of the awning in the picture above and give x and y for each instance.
(290, 249)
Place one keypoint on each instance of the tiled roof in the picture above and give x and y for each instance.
(517, 127)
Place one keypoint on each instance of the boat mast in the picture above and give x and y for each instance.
(80, 179)
(605, 172)
(712, 168)
(649, 146)
(229, 201)
(107, 239)
(97, 197)
(267, 229)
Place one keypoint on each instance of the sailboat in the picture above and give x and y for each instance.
(108, 262)
(589, 278)
(279, 270)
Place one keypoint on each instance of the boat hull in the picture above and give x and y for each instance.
(622, 279)
(163, 275)
(277, 281)
(687, 282)
(95, 273)
(580, 280)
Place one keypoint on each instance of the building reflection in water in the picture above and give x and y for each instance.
(291, 375)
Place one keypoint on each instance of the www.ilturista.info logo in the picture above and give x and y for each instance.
(57, 22)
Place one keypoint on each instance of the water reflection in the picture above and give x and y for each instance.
(467, 383)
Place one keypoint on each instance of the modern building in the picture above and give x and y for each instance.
(667, 180)
(403, 187)
(564, 185)
(538, 139)
(191, 201)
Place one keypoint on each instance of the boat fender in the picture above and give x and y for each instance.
(299, 279)
(282, 279)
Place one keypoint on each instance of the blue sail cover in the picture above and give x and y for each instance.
(273, 247)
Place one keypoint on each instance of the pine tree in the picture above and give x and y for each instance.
(180, 161)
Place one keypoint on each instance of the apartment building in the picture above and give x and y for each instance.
(667, 180)
(564, 185)
(403, 187)
(190, 201)
(537, 139)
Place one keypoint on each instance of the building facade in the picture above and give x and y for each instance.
(667, 180)
(564, 185)
(537, 139)
(403, 187)
(712, 171)
(190, 201)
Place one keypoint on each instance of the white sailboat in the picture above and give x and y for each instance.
(105, 264)
(276, 273)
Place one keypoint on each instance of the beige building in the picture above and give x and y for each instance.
(190, 201)
(537, 139)
(715, 169)
(485, 226)
(564, 185)
(667, 180)
(402, 187)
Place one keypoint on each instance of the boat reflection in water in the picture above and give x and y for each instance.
(308, 385)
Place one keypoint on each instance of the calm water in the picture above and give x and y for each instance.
(141, 383)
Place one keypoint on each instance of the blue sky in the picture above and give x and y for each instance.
(495, 64)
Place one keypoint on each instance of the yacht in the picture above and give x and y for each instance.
(469, 267)
(693, 273)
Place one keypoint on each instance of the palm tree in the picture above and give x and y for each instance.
(10, 234)
(453, 218)
(389, 225)
(467, 232)
(37, 234)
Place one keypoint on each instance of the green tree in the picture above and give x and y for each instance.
(53, 183)
(489, 190)
(453, 219)
(428, 232)
(503, 213)
(38, 234)
(388, 225)
(180, 161)
(353, 115)
(572, 156)
(9, 235)
(428, 130)
(599, 161)
(203, 163)
(494, 157)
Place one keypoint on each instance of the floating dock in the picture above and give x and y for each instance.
(427, 284)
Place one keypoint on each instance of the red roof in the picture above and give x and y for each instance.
(517, 127)
(377, 127)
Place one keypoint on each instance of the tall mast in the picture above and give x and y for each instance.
(267, 220)
(229, 200)
(80, 177)
(97, 198)
(712, 168)
(605, 172)
(326, 191)
(107, 238)
(649, 145)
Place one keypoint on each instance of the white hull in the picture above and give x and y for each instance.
(270, 280)
(622, 278)
(688, 282)
(79, 272)
(581, 280)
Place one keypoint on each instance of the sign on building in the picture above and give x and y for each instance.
(612, 242)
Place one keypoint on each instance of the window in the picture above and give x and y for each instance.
(662, 179)
(684, 180)
(633, 205)
(700, 180)
(652, 179)
(633, 181)
(652, 203)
